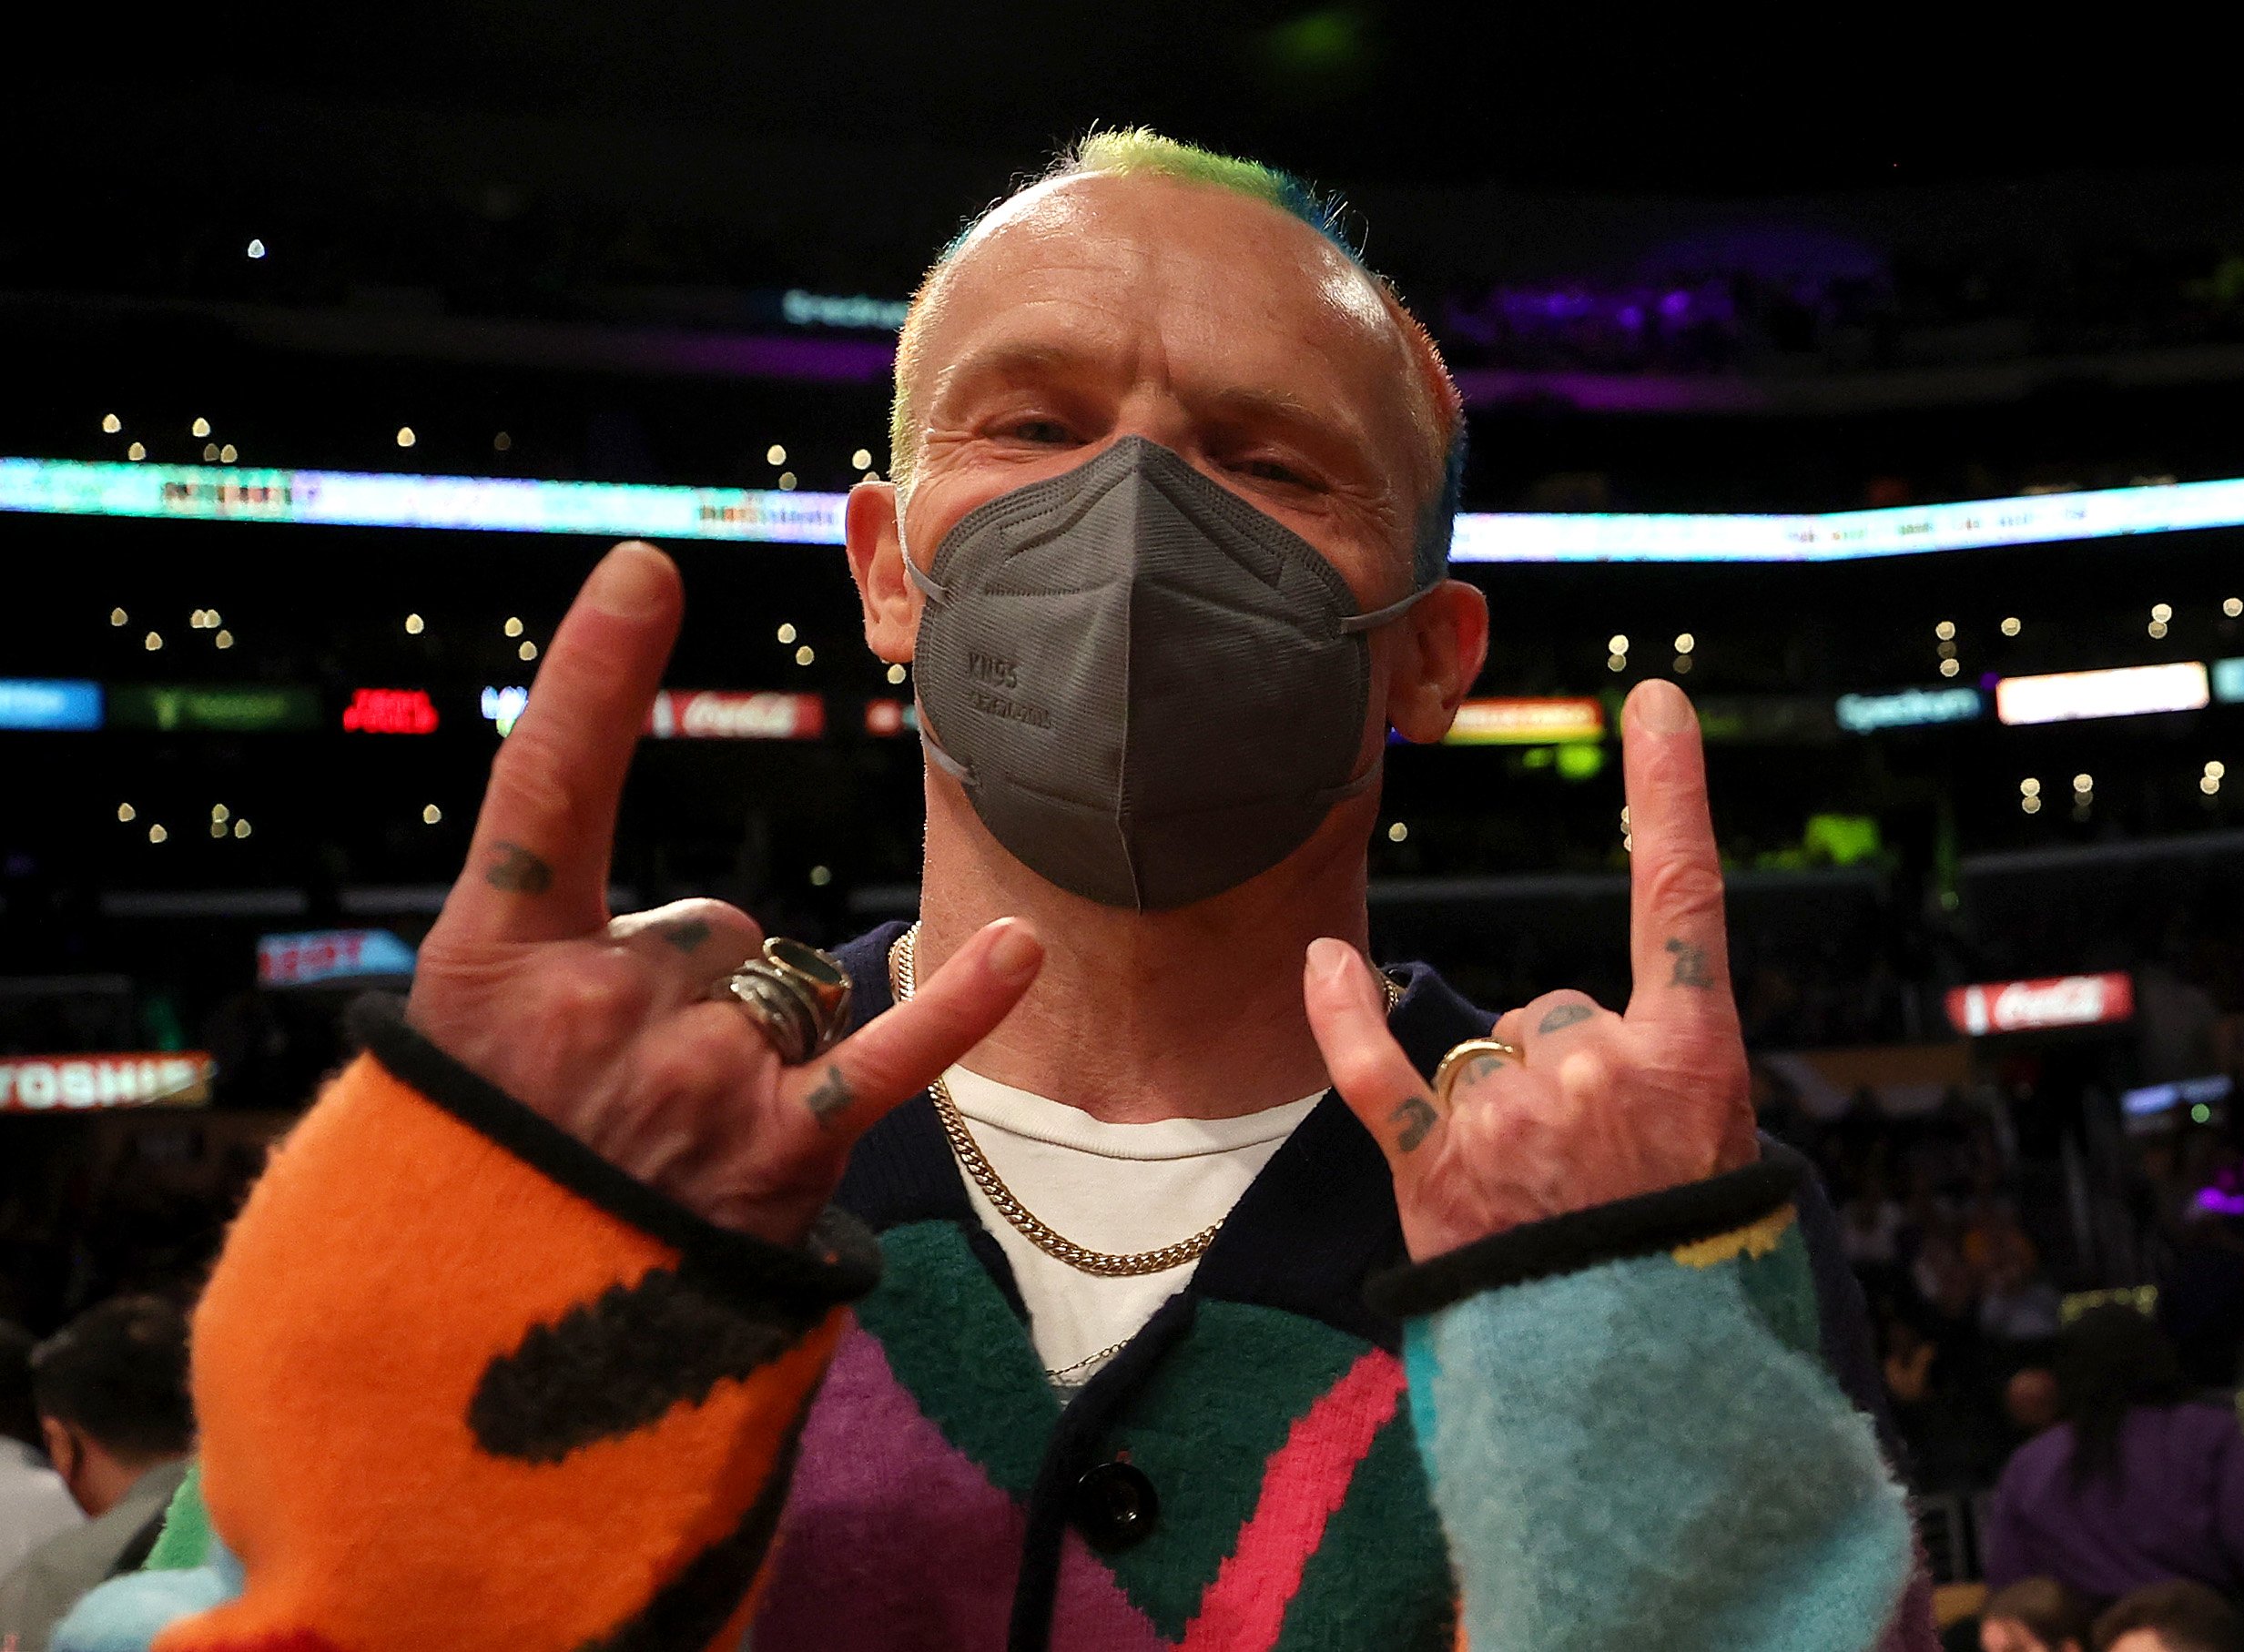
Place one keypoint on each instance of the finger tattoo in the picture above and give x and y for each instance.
(1417, 1116)
(1481, 1067)
(516, 871)
(1691, 968)
(832, 1098)
(1565, 1015)
(687, 936)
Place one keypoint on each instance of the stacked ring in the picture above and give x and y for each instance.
(797, 994)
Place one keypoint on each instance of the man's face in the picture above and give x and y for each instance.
(1211, 323)
(2008, 1635)
(2141, 1640)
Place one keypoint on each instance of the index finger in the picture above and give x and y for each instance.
(1679, 945)
(538, 865)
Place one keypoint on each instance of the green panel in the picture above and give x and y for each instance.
(953, 1342)
(1780, 1287)
(1201, 1429)
(183, 1542)
(1381, 1577)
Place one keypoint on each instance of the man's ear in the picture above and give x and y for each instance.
(876, 550)
(61, 1448)
(1444, 645)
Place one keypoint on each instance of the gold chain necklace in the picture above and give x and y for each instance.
(903, 980)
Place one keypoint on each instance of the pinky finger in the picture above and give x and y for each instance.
(1347, 1015)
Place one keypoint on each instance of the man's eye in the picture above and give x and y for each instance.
(1040, 431)
(1270, 470)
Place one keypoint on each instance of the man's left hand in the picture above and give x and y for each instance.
(1603, 1106)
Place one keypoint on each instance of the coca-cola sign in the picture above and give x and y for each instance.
(2056, 1000)
(716, 715)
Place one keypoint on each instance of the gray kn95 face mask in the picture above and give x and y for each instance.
(1151, 690)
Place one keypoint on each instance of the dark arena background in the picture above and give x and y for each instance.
(1889, 402)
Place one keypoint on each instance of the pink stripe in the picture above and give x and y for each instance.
(1306, 1480)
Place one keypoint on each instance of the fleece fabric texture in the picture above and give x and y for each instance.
(460, 1390)
(186, 1541)
(1743, 1506)
(1291, 1510)
(944, 1493)
(466, 1387)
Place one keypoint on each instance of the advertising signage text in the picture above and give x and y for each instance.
(39, 1084)
(2035, 1006)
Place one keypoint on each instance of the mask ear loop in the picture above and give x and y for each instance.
(936, 594)
(1355, 624)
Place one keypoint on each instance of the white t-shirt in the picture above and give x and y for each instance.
(1110, 1187)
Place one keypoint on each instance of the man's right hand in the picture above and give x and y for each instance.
(603, 1024)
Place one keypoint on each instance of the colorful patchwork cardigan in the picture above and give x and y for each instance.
(463, 1385)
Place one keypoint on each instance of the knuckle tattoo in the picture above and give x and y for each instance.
(517, 871)
(1562, 1016)
(687, 936)
(831, 1098)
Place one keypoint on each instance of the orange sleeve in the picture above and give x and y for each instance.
(462, 1383)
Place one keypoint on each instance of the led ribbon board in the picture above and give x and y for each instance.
(1525, 722)
(2050, 1001)
(312, 956)
(614, 511)
(2126, 691)
(50, 703)
(38, 1084)
(1907, 708)
(359, 498)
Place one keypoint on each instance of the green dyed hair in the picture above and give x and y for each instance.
(1140, 152)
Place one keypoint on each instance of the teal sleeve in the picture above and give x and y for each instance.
(1631, 1441)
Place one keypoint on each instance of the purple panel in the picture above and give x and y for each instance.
(893, 1538)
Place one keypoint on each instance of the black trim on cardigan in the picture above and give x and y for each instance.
(1320, 1220)
(837, 1262)
(1073, 1451)
(1642, 1226)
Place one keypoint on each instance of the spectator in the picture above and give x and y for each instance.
(111, 1389)
(2030, 1400)
(2136, 1486)
(35, 1505)
(2019, 1304)
(2170, 1618)
(2036, 1614)
(1872, 1224)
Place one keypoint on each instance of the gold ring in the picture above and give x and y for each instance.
(797, 994)
(1471, 1051)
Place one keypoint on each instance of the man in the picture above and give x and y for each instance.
(2178, 1616)
(35, 1505)
(110, 1388)
(2034, 1615)
(1174, 478)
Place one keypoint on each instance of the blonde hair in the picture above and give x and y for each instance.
(1437, 409)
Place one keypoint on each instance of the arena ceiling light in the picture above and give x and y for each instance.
(777, 516)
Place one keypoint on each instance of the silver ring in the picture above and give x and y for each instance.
(798, 996)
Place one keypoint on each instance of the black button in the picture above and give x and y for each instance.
(1115, 1506)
